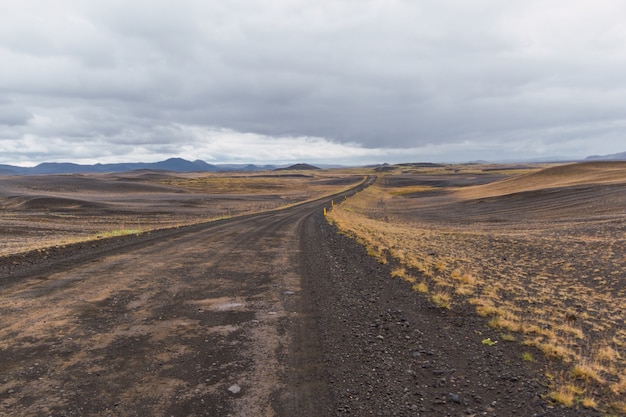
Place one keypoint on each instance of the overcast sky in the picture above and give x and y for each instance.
(335, 81)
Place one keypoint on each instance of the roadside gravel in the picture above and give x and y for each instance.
(390, 352)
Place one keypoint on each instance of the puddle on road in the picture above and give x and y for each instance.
(220, 304)
(228, 306)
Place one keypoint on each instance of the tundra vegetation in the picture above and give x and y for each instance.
(539, 251)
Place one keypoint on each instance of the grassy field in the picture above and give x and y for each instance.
(539, 250)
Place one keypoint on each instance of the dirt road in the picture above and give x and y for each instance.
(264, 315)
(203, 320)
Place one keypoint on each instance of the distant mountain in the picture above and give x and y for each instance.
(612, 157)
(248, 167)
(420, 165)
(172, 164)
(298, 167)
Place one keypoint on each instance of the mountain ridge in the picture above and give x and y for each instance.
(171, 164)
(621, 156)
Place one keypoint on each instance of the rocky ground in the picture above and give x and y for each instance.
(267, 315)
(390, 352)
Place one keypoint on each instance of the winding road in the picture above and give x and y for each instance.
(203, 320)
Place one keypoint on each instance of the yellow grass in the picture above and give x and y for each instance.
(117, 232)
(607, 354)
(421, 287)
(619, 406)
(619, 387)
(586, 371)
(441, 299)
(557, 176)
(534, 292)
(589, 402)
(563, 396)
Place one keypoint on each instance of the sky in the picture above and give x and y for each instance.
(328, 81)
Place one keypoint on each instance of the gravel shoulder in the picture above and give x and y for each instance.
(390, 352)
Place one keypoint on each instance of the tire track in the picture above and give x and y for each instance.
(194, 321)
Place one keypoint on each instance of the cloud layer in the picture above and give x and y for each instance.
(294, 80)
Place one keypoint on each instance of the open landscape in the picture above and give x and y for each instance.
(50, 210)
(297, 208)
(155, 293)
(538, 250)
(474, 290)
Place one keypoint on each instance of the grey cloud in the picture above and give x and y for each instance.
(12, 114)
(382, 74)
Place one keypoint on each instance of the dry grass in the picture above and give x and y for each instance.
(586, 371)
(589, 402)
(619, 407)
(117, 232)
(508, 337)
(619, 387)
(564, 395)
(227, 184)
(441, 299)
(538, 259)
(421, 287)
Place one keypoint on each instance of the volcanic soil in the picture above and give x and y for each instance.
(539, 252)
(268, 314)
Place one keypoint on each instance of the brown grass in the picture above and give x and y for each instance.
(441, 299)
(542, 252)
(564, 395)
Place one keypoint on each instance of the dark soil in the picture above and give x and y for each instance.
(440, 180)
(389, 351)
